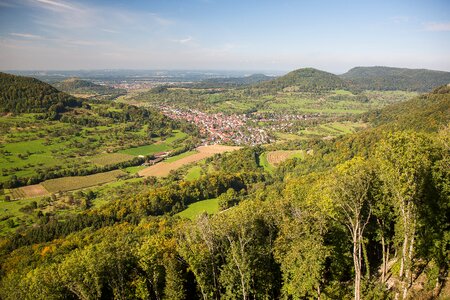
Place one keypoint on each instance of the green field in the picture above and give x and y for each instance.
(180, 156)
(210, 206)
(193, 173)
(263, 162)
(147, 150)
(160, 146)
(111, 158)
(80, 182)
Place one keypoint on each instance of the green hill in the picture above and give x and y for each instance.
(387, 78)
(79, 86)
(305, 80)
(428, 112)
(25, 94)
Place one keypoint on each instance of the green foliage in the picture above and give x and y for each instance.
(23, 94)
(79, 86)
(307, 79)
(386, 78)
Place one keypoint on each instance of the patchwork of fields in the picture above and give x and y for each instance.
(163, 169)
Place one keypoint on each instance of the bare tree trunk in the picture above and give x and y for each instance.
(357, 261)
(408, 272)
(383, 266)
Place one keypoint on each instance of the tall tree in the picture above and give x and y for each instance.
(404, 160)
(350, 193)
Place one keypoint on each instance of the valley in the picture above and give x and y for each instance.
(177, 155)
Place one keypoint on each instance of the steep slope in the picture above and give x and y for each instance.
(306, 79)
(428, 112)
(387, 78)
(79, 86)
(25, 94)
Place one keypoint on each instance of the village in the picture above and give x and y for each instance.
(221, 128)
(237, 129)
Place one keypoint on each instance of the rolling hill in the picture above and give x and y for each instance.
(25, 94)
(79, 86)
(388, 78)
(306, 79)
(233, 81)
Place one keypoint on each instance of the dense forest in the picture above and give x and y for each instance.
(363, 216)
(305, 80)
(20, 94)
(79, 86)
(388, 78)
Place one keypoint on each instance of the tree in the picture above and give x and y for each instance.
(198, 244)
(404, 161)
(351, 197)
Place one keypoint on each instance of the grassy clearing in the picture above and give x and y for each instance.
(274, 158)
(180, 156)
(193, 173)
(147, 150)
(210, 206)
(111, 158)
(263, 162)
(134, 170)
(342, 92)
(287, 136)
(80, 182)
(161, 146)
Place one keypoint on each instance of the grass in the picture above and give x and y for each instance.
(111, 158)
(263, 162)
(210, 206)
(193, 173)
(147, 149)
(80, 182)
(156, 147)
(180, 156)
(134, 170)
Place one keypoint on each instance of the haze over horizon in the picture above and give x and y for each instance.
(214, 35)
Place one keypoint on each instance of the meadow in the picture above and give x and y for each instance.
(210, 206)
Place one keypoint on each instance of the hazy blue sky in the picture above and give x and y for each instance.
(213, 34)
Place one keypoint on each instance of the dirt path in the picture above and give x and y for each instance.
(163, 169)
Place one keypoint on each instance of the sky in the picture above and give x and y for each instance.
(223, 34)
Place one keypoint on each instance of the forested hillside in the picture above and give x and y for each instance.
(305, 80)
(88, 88)
(427, 112)
(364, 216)
(25, 94)
(388, 78)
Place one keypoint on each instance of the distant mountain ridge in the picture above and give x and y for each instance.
(389, 78)
(233, 81)
(79, 86)
(20, 94)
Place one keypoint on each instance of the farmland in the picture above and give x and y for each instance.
(270, 160)
(111, 158)
(83, 142)
(30, 191)
(163, 169)
(80, 182)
